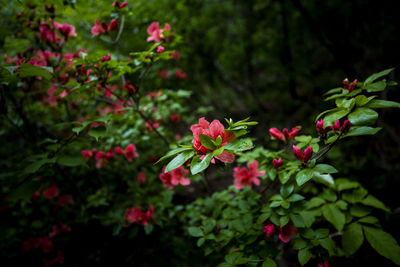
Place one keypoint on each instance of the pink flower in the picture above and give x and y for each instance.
(65, 29)
(113, 25)
(175, 118)
(98, 28)
(51, 192)
(118, 5)
(175, 177)
(213, 129)
(320, 128)
(244, 177)
(284, 135)
(156, 34)
(180, 74)
(153, 124)
(163, 74)
(87, 154)
(141, 177)
(277, 163)
(160, 49)
(286, 232)
(46, 243)
(48, 34)
(269, 230)
(303, 157)
(324, 264)
(348, 86)
(344, 128)
(128, 86)
(119, 151)
(175, 55)
(105, 58)
(130, 152)
(135, 215)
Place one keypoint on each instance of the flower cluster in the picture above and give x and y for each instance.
(285, 232)
(175, 177)
(102, 158)
(136, 215)
(336, 127)
(304, 157)
(245, 177)
(100, 28)
(285, 135)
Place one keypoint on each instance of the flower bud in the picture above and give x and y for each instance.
(277, 163)
(307, 154)
(269, 230)
(297, 153)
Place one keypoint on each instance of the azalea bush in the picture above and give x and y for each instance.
(104, 151)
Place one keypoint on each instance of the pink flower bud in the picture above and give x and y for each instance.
(277, 163)
(106, 58)
(113, 25)
(320, 127)
(269, 230)
(275, 133)
(297, 153)
(119, 151)
(160, 49)
(307, 154)
(345, 127)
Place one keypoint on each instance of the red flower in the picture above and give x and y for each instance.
(51, 192)
(269, 230)
(284, 135)
(87, 154)
(344, 128)
(113, 25)
(156, 34)
(65, 29)
(141, 177)
(98, 28)
(320, 128)
(106, 58)
(213, 129)
(118, 5)
(48, 34)
(286, 232)
(348, 86)
(277, 163)
(324, 264)
(119, 151)
(180, 74)
(163, 74)
(65, 200)
(130, 152)
(160, 49)
(135, 215)
(175, 55)
(303, 157)
(245, 177)
(175, 177)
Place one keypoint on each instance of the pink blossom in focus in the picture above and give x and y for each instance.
(156, 34)
(245, 177)
(175, 177)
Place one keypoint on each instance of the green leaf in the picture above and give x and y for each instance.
(374, 202)
(297, 220)
(200, 242)
(236, 258)
(355, 196)
(71, 161)
(207, 141)
(28, 70)
(173, 153)
(209, 225)
(24, 191)
(295, 198)
(334, 90)
(304, 256)
(362, 116)
(315, 202)
(383, 104)
(364, 130)
(304, 176)
(197, 166)
(179, 160)
(383, 243)
(218, 151)
(239, 145)
(333, 215)
(375, 87)
(325, 168)
(97, 132)
(35, 166)
(218, 141)
(370, 220)
(268, 263)
(352, 238)
(361, 100)
(378, 75)
(329, 245)
(331, 118)
(344, 184)
(286, 190)
(195, 231)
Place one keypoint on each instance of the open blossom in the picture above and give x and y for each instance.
(286, 232)
(155, 32)
(269, 230)
(130, 152)
(135, 215)
(285, 135)
(245, 177)
(277, 163)
(175, 177)
(306, 156)
(98, 28)
(65, 29)
(213, 129)
(349, 86)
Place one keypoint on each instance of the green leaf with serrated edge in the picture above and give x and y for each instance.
(378, 75)
(239, 145)
(304, 255)
(198, 165)
(331, 118)
(333, 215)
(364, 130)
(173, 153)
(362, 116)
(375, 87)
(207, 141)
(383, 243)
(179, 160)
(325, 168)
(71, 161)
(195, 231)
(376, 103)
(268, 263)
(374, 202)
(352, 238)
(304, 176)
